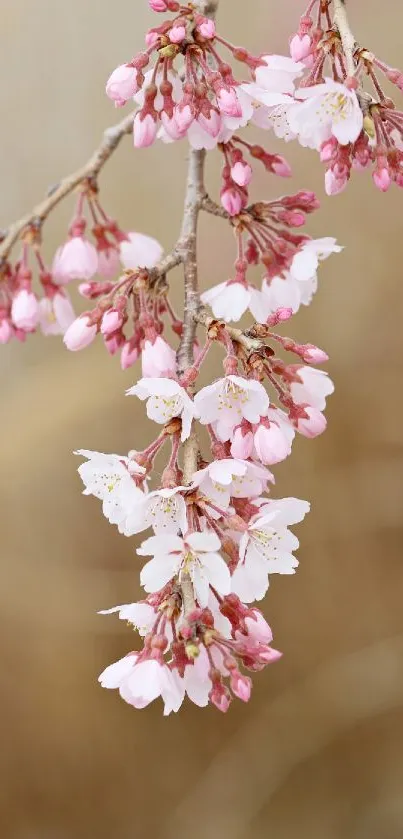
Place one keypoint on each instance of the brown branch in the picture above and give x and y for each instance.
(246, 341)
(348, 41)
(91, 169)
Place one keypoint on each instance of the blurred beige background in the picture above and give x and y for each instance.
(317, 754)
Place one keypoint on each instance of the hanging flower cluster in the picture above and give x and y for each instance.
(212, 533)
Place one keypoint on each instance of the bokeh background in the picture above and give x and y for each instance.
(317, 754)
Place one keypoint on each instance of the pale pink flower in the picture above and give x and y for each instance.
(157, 358)
(144, 130)
(273, 438)
(108, 262)
(195, 556)
(80, 334)
(266, 547)
(56, 314)
(76, 260)
(166, 399)
(110, 478)
(141, 682)
(140, 615)
(281, 292)
(226, 402)
(196, 680)
(278, 73)
(312, 387)
(329, 109)
(25, 310)
(140, 251)
(228, 301)
(306, 261)
(313, 424)
(231, 478)
(122, 84)
(164, 510)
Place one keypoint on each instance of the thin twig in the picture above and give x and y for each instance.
(242, 338)
(91, 169)
(348, 41)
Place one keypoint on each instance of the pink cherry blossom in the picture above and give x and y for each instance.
(166, 399)
(311, 387)
(76, 260)
(311, 425)
(300, 47)
(140, 251)
(326, 110)
(273, 438)
(140, 682)
(144, 130)
(56, 314)
(157, 358)
(228, 301)
(111, 321)
(226, 402)
(122, 84)
(196, 556)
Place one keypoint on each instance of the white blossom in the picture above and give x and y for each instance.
(226, 402)
(166, 399)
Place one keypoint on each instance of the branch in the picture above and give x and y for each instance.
(346, 36)
(246, 341)
(110, 141)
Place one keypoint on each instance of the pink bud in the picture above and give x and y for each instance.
(271, 444)
(76, 260)
(177, 34)
(207, 29)
(311, 354)
(241, 686)
(312, 425)
(334, 185)
(145, 130)
(281, 167)
(151, 38)
(6, 330)
(279, 316)
(228, 102)
(270, 656)
(157, 358)
(108, 262)
(129, 355)
(220, 697)
(328, 149)
(111, 321)
(114, 343)
(258, 628)
(241, 173)
(122, 84)
(184, 117)
(25, 311)
(158, 5)
(80, 334)
(382, 179)
(171, 126)
(242, 443)
(300, 47)
(232, 201)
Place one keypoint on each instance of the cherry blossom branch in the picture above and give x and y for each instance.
(110, 141)
(348, 41)
(249, 343)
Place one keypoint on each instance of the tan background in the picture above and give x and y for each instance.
(317, 753)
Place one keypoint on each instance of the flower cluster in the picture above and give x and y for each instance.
(212, 534)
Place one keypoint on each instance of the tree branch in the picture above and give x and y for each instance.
(348, 41)
(110, 141)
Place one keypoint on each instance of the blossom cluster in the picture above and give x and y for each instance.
(209, 531)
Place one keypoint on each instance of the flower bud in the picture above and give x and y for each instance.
(80, 334)
(25, 311)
